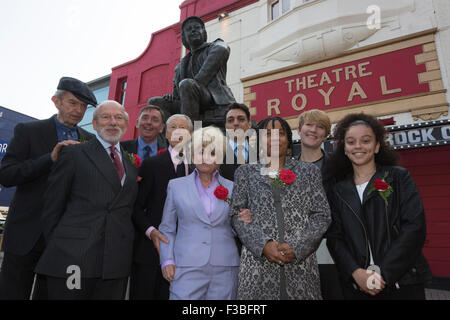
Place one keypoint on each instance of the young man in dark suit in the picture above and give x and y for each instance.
(240, 149)
(150, 125)
(31, 153)
(146, 281)
(87, 214)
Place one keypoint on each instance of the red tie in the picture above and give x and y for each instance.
(117, 163)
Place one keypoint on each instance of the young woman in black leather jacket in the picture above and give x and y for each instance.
(378, 228)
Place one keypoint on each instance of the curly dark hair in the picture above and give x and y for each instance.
(263, 125)
(339, 163)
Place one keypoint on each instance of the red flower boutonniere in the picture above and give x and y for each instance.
(383, 188)
(134, 159)
(221, 193)
(160, 151)
(284, 177)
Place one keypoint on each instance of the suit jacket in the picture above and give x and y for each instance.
(194, 238)
(87, 214)
(156, 172)
(131, 146)
(26, 165)
(213, 57)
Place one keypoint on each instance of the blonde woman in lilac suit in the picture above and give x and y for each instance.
(201, 260)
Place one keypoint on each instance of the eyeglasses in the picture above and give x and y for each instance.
(107, 117)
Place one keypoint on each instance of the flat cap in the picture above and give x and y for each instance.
(192, 18)
(79, 89)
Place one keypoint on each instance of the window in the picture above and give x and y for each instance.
(123, 91)
(278, 8)
(286, 6)
(275, 10)
(101, 95)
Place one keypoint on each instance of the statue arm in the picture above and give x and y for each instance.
(217, 57)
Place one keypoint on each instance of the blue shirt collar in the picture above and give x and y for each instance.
(64, 132)
(141, 145)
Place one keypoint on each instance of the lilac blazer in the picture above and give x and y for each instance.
(199, 239)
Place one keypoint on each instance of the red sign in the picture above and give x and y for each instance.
(377, 78)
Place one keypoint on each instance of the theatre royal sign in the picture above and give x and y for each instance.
(401, 75)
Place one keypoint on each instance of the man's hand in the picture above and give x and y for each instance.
(169, 272)
(362, 276)
(245, 216)
(57, 148)
(272, 253)
(156, 237)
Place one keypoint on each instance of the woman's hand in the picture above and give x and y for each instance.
(245, 216)
(365, 278)
(286, 251)
(272, 253)
(169, 272)
(156, 237)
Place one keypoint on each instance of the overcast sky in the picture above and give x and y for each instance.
(43, 40)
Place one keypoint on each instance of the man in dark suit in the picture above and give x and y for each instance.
(146, 281)
(87, 214)
(150, 125)
(200, 77)
(241, 140)
(34, 147)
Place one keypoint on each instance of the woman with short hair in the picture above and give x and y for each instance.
(201, 259)
(289, 213)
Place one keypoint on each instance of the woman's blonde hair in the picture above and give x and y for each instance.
(315, 115)
(209, 137)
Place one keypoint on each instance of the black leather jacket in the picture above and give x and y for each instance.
(396, 234)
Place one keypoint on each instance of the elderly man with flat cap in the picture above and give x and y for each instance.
(26, 165)
(200, 77)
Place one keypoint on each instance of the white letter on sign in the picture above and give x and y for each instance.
(445, 132)
(273, 104)
(294, 102)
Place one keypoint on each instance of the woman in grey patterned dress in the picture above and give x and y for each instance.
(288, 222)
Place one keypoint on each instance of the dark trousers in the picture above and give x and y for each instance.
(405, 292)
(147, 283)
(17, 275)
(330, 283)
(90, 289)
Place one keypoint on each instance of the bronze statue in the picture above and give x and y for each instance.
(200, 89)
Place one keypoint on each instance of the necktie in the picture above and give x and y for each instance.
(117, 163)
(147, 151)
(239, 151)
(181, 170)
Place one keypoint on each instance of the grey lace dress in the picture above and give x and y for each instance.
(298, 214)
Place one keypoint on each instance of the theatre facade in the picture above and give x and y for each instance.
(386, 58)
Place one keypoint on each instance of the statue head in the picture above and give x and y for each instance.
(183, 33)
